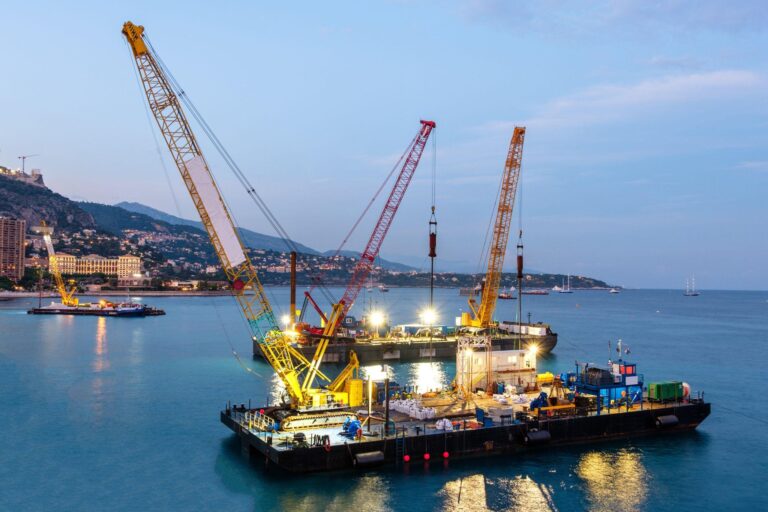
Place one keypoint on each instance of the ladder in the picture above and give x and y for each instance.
(399, 446)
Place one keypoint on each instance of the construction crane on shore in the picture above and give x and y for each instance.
(482, 314)
(364, 265)
(67, 293)
(294, 370)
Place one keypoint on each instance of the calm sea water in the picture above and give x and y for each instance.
(122, 414)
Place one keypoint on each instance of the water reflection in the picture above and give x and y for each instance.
(427, 376)
(524, 494)
(370, 489)
(464, 494)
(100, 362)
(377, 372)
(614, 480)
(481, 493)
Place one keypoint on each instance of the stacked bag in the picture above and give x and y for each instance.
(413, 409)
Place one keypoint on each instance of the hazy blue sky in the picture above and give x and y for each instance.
(645, 159)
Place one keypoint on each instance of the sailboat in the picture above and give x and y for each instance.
(566, 286)
(690, 288)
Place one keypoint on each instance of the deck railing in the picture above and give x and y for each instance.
(255, 420)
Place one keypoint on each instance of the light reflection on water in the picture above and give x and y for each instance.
(99, 365)
(371, 490)
(427, 376)
(100, 362)
(519, 493)
(614, 480)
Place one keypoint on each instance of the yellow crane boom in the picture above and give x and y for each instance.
(67, 294)
(289, 364)
(482, 315)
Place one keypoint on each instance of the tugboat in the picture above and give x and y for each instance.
(507, 294)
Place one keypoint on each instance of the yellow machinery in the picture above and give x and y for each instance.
(67, 294)
(297, 373)
(482, 315)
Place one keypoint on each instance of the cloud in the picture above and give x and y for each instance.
(754, 165)
(639, 16)
(678, 63)
(609, 103)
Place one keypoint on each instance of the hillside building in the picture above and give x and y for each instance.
(35, 178)
(12, 247)
(123, 267)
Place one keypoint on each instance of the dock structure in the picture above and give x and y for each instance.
(455, 432)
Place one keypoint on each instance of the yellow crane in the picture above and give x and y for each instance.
(482, 314)
(295, 371)
(67, 294)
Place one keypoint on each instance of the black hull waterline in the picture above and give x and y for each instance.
(504, 440)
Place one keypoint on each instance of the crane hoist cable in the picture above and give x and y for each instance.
(230, 162)
(363, 214)
(365, 263)
(482, 314)
(289, 364)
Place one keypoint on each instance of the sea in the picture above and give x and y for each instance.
(123, 413)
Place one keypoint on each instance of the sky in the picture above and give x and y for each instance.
(645, 159)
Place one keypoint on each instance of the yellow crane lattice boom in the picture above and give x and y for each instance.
(164, 104)
(483, 314)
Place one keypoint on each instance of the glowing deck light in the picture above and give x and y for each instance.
(533, 348)
(377, 318)
(429, 316)
(286, 320)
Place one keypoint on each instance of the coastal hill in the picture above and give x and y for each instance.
(176, 248)
(250, 238)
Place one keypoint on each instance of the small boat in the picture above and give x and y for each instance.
(507, 294)
(566, 288)
(690, 288)
(383, 288)
(613, 290)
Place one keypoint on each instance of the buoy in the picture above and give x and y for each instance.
(446, 455)
(407, 458)
(261, 411)
(426, 456)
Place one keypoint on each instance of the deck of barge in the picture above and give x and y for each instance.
(413, 349)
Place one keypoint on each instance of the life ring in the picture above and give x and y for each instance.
(327, 443)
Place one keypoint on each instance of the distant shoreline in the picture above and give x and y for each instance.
(218, 293)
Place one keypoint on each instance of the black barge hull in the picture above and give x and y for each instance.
(95, 312)
(482, 442)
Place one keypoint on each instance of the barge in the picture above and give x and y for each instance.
(411, 343)
(101, 308)
(596, 405)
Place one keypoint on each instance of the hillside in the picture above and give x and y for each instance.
(250, 238)
(115, 220)
(33, 204)
(390, 265)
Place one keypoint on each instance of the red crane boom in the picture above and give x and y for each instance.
(365, 264)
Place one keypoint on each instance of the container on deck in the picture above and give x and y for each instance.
(661, 391)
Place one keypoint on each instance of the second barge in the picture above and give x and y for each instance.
(410, 343)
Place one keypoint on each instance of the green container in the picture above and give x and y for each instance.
(670, 390)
